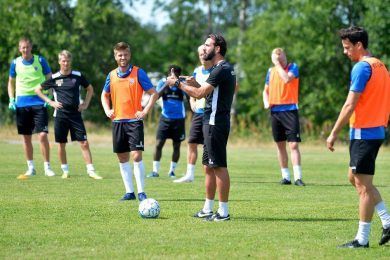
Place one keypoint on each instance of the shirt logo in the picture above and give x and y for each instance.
(140, 145)
(36, 68)
(211, 161)
(73, 81)
(132, 81)
(59, 82)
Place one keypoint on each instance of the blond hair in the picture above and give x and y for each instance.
(278, 51)
(65, 53)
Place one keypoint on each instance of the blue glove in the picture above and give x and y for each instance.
(12, 104)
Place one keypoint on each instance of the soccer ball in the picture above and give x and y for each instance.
(149, 208)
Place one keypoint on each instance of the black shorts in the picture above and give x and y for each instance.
(196, 131)
(285, 126)
(171, 129)
(363, 155)
(73, 124)
(31, 120)
(214, 148)
(128, 136)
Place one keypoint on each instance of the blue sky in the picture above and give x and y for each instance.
(142, 10)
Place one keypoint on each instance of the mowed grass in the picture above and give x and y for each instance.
(45, 218)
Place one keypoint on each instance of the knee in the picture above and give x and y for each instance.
(84, 145)
(294, 146)
(42, 137)
(159, 144)
(176, 146)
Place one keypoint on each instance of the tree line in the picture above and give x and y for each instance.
(306, 29)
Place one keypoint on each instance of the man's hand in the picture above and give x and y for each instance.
(110, 113)
(275, 59)
(330, 142)
(82, 107)
(12, 104)
(140, 115)
(55, 104)
(171, 80)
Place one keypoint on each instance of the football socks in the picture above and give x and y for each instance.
(127, 174)
(139, 174)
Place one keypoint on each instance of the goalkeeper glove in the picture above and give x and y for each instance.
(12, 104)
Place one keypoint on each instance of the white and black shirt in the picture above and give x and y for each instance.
(219, 101)
(66, 90)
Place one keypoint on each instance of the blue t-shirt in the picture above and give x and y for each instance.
(143, 79)
(45, 66)
(360, 75)
(172, 101)
(293, 68)
(33, 100)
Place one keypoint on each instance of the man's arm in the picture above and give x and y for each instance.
(11, 93)
(55, 104)
(153, 98)
(345, 113)
(11, 87)
(106, 103)
(192, 104)
(87, 99)
(266, 96)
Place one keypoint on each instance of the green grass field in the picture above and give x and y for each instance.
(46, 218)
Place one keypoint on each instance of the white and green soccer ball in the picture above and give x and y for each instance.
(149, 208)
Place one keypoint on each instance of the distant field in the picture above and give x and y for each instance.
(44, 218)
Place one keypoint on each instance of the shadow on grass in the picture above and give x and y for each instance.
(294, 219)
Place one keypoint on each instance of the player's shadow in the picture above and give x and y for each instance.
(265, 219)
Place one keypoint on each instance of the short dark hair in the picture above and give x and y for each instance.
(355, 34)
(120, 46)
(176, 70)
(219, 41)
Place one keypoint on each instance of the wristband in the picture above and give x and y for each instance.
(177, 83)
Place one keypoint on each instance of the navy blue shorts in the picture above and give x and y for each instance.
(196, 131)
(363, 154)
(31, 120)
(214, 148)
(128, 136)
(285, 126)
(171, 129)
(73, 124)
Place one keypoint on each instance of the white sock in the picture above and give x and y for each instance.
(90, 167)
(383, 214)
(156, 166)
(127, 176)
(285, 173)
(223, 209)
(46, 165)
(65, 167)
(139, 174)
(190, 170)
(297, 172)
(363, 232)
(173, 167)
(30, 165)
(208, 205)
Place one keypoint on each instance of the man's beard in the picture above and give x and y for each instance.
(209, 56)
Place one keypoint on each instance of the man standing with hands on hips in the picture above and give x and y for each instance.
(121, 100)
